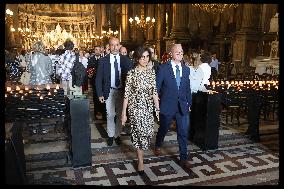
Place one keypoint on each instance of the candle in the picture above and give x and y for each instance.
(17, 88)
(9, 89)
(47, 87)
(57, 87)
(49, 93)
(38, 94)
(5, 95)
(55, 90)
(21, 91)
(30, 91)
(26, 88)
(41, 97)
(22, 97)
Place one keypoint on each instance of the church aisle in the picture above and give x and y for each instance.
(237, 161)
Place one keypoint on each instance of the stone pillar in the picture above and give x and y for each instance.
(179, 32)
(11, 22)
(246, 39)
(160, 29)
(180, 22)
(103, 16)
(125, 24)
(150, 13)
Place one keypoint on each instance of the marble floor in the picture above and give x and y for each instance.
(237, 161)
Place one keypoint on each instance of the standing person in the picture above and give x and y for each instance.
(107, 49)
(102, 51)
(110, 82)
(140, 93)
(214, 66)
(205, 58)
(173, 86)
(153, 63)
(65, 66)
(99, 108)
(123, 50)
(84, 61)
(40, 66)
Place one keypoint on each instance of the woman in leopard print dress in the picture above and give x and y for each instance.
(140, 94)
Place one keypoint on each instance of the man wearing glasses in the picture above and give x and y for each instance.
(173, 87)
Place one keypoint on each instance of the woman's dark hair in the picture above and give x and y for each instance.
(138, 54)
(68, 44)
(205, 57)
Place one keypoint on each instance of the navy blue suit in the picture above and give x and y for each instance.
(174, 104)
(103, 80)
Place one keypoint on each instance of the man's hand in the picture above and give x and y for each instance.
(101, 99)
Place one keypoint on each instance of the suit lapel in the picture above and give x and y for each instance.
(183, 74)
(108, 65)
(172, 75)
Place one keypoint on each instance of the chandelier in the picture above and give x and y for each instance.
(214, 8)
(57, 37)
(142, 23)
(110, 32)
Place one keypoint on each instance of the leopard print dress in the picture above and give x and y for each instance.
(139, 90)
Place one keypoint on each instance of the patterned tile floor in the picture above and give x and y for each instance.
(237, 161)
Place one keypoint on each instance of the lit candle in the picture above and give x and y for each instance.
(26, 88)
(55, 90)
(5, 95)
(22, 97)
(21, 91)
(57, 87)
(41, 97)
(9, 89)
(30, 91)
(47, 87)
(17, 88)
(49, 93)
(38, 94)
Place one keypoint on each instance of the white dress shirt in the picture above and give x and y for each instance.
(113, 70)
(175, 69)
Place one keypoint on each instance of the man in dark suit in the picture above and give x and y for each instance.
(93, 63)
(173, 86)
(110, 83)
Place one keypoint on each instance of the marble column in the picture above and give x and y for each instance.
(247, 38)
(160, 29)
(180, 22)
(124, 24)
(150, 13)
(180, 31)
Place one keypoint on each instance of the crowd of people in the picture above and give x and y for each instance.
(131, 87)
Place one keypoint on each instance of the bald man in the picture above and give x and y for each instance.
(173, 86)
(110, 83)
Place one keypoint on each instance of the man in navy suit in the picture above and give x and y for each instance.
(174, 91)
(110, 83)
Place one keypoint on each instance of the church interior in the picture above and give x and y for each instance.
(53, 136)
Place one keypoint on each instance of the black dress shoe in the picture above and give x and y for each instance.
(141, 172)
(110, 141)
(117, 140)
